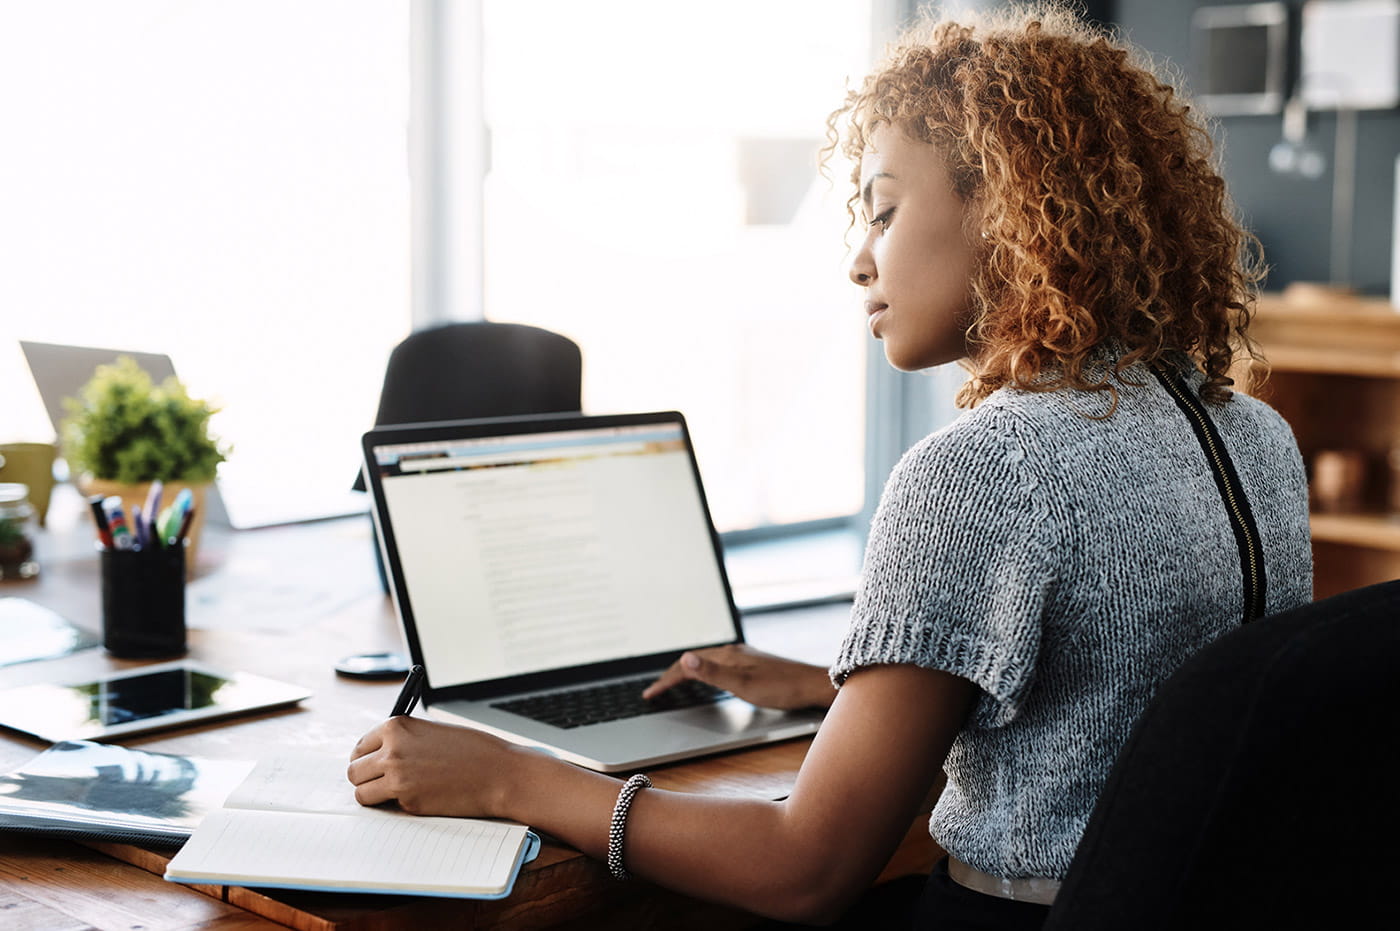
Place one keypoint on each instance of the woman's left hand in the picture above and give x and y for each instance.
(431, 768)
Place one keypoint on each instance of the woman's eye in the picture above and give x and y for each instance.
(882, 220)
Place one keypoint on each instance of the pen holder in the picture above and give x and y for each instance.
(143, 602)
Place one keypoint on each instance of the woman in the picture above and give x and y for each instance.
(1044, 210)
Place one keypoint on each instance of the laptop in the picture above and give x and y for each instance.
(244, 502)
(545, 564)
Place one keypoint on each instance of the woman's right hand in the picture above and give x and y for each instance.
(761, 678)
(433, 768)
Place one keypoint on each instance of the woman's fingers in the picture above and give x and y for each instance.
(682, 669)
(367, 744)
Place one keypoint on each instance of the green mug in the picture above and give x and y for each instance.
(30, 464)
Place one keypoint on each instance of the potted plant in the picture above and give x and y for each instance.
(124, 432)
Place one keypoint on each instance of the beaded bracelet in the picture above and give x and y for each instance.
(619, 823)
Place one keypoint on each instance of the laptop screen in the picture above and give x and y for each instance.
(547, 549)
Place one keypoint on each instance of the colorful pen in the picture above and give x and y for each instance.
(116, 523)
(175, 516)
(164, 521)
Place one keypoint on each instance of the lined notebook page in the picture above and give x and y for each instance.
(431, 855)
(298, 782)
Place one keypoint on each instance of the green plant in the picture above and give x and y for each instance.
(124, 428)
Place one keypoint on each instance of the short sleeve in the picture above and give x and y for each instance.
(959, 564)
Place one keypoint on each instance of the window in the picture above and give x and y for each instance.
(223, 182)
(229, 184)
(652, 193)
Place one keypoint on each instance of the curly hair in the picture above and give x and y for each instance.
(1104, 220)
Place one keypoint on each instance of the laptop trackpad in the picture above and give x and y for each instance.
(733, 716)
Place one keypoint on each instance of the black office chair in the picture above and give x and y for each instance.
(459, 371)
(1259, 788)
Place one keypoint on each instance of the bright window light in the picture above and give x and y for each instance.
(653, 194)
(222, 182)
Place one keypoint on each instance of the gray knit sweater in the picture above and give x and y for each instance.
(1065, 565)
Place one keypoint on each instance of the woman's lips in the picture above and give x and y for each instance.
(874, 311)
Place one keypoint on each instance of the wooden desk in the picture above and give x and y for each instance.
(286, 603)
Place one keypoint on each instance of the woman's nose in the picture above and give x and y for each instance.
(863, 272)
(863, 268)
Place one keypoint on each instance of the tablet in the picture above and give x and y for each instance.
(137, 700)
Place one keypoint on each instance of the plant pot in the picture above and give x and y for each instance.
(135, 495)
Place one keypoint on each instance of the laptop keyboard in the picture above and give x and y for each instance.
(611, 701)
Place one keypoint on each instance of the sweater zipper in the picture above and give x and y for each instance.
(1217, 458)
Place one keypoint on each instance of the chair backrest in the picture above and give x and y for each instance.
(459, 371)
(1258, 790)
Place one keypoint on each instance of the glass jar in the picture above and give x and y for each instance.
(16, 533)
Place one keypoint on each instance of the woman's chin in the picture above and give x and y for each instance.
(910, 362)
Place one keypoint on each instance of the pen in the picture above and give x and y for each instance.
(164, 522)
(408, 695)
(116, 522)
(184, 527)
(151, 529)
(99, 516)
(175, 514)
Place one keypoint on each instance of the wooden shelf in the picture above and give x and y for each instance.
(1378, 531)
(1334, 361)
(1346, 336)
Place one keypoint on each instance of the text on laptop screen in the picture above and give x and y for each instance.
(533, 552)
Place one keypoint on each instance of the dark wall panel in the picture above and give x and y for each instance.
(1291, 216)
